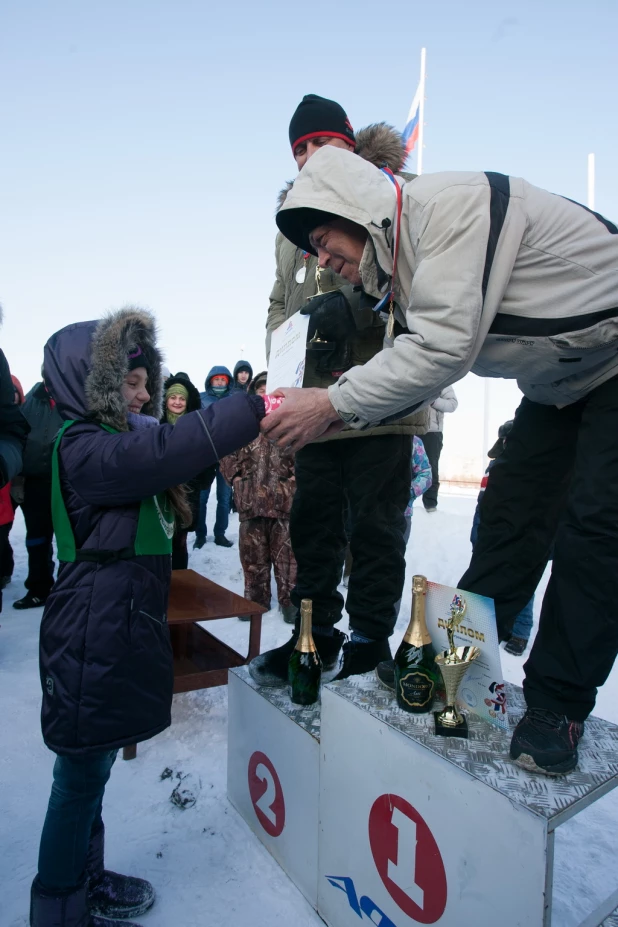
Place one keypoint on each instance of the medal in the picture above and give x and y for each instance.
(390, 327)
(301, 273)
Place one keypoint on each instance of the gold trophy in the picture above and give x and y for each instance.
(454, 664)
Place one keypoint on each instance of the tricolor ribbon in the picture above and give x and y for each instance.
(390, 296)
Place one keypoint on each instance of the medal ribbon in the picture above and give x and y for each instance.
(390, 296)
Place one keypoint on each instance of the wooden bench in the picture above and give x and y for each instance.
(200, 659)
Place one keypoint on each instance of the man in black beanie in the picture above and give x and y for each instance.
(367, 475)
(318, 122)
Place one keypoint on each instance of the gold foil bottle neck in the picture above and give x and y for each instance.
(417, 634)
(305, 643)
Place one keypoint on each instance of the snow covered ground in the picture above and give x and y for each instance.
(205, 863)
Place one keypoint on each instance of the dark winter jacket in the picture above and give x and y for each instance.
(204, 479)
(105, 655)
(242, 365)
(209, 396)
(13, 426)
(45, 422)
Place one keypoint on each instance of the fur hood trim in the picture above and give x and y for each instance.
(378, 143)
(115, 336)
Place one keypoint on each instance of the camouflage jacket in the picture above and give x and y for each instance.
(262, 476)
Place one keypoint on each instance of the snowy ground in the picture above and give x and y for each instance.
(207, 866)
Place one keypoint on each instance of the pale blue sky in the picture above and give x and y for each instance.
(143, 142)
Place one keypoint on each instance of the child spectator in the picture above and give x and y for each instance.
(40, 412)
(262, 476)
(421, 480)
(105, 657)
(181, 397)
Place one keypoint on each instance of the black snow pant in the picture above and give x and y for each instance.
(373, 474)
(433, 447)
(39, 535)
(557, 478)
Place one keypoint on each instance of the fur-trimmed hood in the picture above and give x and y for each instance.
(378, 143)
(86, 363)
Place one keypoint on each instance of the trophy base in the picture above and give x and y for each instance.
(444, 730)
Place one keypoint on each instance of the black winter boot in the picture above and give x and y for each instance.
(359, 658)
(271, 668)
(111, 895)
(65, 909)
(546, 742)
(385, 671)
(30, 601)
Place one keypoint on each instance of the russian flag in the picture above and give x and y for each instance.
(410, 133)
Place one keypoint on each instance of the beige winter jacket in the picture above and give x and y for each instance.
(296, 282)
(494, 275)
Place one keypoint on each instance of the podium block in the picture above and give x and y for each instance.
(416, 829)
(273, 774)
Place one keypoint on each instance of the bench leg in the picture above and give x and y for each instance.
(130, 752)
(255, 634)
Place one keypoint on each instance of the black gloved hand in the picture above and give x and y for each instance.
(331, 316)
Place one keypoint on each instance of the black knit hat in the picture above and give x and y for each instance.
(136, 358)
(316, 117)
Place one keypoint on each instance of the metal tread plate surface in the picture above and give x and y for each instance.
(307, 717)
(485, 755)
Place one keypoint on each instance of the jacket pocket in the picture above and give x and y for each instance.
(242, 494)
(284, 493)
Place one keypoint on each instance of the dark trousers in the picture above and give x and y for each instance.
(433, 446)
(557, 478)
(224, 501)
(180, 554)
(73, 816)
(39, 535)
(374, 475)
(6, 554)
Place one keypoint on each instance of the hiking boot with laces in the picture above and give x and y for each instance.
(271, 668)
(516, 645)
(546, 742)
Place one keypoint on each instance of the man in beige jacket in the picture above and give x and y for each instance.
(368, 474)
(491, 274)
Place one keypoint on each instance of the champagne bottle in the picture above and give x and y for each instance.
(305, 666)
(416, 673)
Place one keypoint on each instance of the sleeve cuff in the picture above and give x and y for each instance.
(345, 413)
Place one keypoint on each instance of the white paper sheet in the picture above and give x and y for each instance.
(287, 353)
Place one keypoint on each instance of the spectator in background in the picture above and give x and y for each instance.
(7, 513)
(40, 412)
(243, 372)
(262, 476)
(446, 402)
(219, 384)
(520, 635)
(180, 397)
(13, 426)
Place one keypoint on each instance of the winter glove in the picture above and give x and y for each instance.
(331, 316)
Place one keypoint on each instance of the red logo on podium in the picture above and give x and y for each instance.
(407, 858)
(266, 794)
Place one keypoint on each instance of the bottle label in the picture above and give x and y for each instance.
(416, 689)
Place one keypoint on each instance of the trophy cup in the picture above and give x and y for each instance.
(454, 664)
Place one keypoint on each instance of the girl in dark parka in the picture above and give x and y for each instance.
(105, 655)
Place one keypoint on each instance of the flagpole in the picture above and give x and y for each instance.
(421, 115)
(590, 181)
